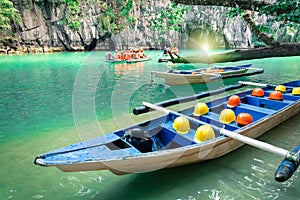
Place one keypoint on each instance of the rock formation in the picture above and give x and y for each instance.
(42, 30)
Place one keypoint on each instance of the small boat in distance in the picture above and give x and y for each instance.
(199, 76)
(173, 139)
(128, 61)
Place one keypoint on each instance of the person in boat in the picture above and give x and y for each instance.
(171, 53)
(165, 51)
(131, 53)
(109, 56)
(128, 55)
(122, 55)
(174, 50)
(142, 54)
(137, 54)
(117, 55)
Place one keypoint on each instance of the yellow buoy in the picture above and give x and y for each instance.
(280, 88)
(296, 91)
(203, 133)
(181, 125)
(200, 109)
(227, 116)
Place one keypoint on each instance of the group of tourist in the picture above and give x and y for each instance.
(126, 54)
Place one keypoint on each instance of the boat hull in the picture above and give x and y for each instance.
(129, 61)
(185, 155)
(181, 79)
(98, 153)
(199, 76)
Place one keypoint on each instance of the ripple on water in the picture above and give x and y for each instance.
(83, 191)
(37, 196)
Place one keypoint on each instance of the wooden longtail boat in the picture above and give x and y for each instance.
(199, 76)
(129, 61)
(155, 144)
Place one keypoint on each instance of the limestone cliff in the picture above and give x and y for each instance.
(42, 29)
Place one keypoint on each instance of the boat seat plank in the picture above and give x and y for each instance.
(213, 119)
(170, 135)
(95, 141)
(288, 98)
(256, 109)
(266, 103)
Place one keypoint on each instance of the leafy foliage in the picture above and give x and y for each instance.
(113, 15)
(8, 15)
(283, 19)
(116, 15)
(72, 15)
(284, 10)
(234, 12)
(169, 18)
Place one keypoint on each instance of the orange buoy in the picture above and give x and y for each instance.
(276, 95)
(258, 92)
(244, 119)
(233, 101)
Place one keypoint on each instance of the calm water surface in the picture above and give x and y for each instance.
(50, 101)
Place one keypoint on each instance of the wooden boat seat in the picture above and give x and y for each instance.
(287, 98)
(257, 109)
(264, 102)
(213, 119)
(171, 139)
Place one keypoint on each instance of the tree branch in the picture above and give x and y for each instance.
(243, 4)
(261, 35)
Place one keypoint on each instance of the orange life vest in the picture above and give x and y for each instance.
(122, 57)
(127, 56)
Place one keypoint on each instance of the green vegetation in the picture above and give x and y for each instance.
(169, 18)
(73, 13)
(116, 15)
(285, 16)
(113, 16)
(283, 19)
(8, 15)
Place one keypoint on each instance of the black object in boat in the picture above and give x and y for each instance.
(139, 139)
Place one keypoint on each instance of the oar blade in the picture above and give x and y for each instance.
(288, 166)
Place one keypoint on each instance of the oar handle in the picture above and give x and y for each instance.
(256, 143)
(259, 71)
(253, 84)
(261, 84)
(144, 109)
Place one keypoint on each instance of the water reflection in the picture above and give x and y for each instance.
(124, 68)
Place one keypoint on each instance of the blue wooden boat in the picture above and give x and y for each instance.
(155, 144)
(204, 75)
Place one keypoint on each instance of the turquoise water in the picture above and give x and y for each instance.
(50, 101)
